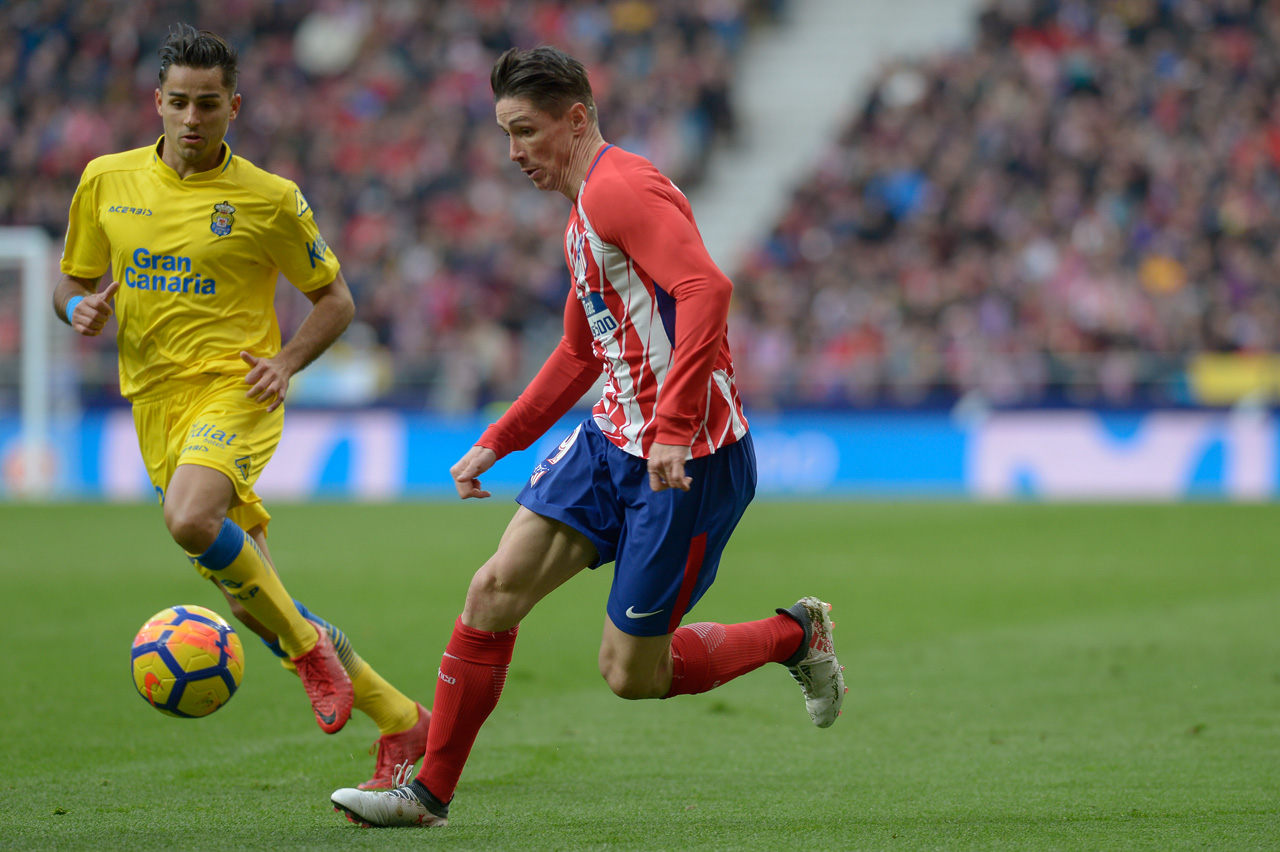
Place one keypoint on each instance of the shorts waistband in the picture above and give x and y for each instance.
(174, 387)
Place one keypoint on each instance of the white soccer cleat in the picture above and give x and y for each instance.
(406, 805)
(815, 666)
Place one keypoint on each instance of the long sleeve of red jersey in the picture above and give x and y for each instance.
(568, 373)
(647, 219)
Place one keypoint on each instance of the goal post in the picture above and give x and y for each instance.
(28, 470)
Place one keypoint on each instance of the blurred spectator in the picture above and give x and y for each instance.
(383, 115)
(1064, 213)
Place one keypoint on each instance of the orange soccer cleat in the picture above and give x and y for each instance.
(404, 748)
(327, 684)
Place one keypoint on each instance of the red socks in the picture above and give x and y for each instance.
(706, 655)
(468, 685)
(474, 670)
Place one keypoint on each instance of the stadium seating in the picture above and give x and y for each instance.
(1077, 208)
(383, 114)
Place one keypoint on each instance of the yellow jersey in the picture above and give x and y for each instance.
(197, 261)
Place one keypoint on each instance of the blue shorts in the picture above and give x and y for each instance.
(666, 544)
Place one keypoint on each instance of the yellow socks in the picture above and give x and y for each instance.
(238, 565)
(390, 709)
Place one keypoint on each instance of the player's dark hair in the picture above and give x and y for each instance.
(192, 48)
(550, 79)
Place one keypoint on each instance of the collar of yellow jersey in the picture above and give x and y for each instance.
(167, 171)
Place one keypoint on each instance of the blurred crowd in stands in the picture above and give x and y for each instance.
(382, 113)
(1066, 210)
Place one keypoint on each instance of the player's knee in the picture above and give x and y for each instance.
(193, 531)
(627, 684)
(488, 582)
(494, 602)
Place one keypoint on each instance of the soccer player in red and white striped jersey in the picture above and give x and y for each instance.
(655, 480)
(622, 314)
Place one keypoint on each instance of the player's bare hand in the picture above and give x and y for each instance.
(468, 469)
(269, 379)
(93, 311)
(666, 467)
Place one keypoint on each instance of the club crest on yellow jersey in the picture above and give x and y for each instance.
(222, 219)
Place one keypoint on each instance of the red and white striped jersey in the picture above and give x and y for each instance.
(647, 303)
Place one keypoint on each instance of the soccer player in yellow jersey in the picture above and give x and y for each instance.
(196, 238)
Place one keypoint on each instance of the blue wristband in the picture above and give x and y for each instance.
(71, 307)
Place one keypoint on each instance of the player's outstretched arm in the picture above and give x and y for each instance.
(468, 469)
(331, 311)
(90, 310)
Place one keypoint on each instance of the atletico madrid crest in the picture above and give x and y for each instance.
(222, 219)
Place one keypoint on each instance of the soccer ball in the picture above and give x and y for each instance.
(187, 661)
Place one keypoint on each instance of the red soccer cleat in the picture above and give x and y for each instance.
(327, 684)
(404, 748)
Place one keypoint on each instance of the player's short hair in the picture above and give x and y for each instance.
(192, 48)
(550, 79)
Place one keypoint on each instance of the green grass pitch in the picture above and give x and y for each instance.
(1031, 677)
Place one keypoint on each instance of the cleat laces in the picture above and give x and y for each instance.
(403, 775)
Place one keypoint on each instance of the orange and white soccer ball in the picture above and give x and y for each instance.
(187, 661)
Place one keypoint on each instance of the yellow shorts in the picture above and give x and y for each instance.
(214, 425)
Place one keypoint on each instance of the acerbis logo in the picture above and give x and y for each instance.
(135, 211)
(444, 677)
